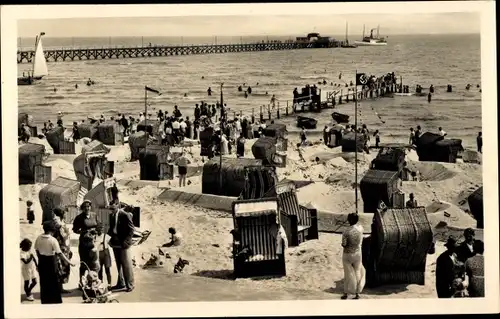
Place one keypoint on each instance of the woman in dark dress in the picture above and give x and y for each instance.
(62, 236)
(85, 224)
(48, 252)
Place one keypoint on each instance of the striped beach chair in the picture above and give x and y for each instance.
(300, 223)
(257, 247)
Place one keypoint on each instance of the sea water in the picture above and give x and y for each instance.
(423, 59)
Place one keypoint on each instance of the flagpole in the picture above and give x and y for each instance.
(356, 142)
(221, 132)
(146, 109)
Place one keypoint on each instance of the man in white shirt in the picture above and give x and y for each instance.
(183, 127)
(176, 130)
(141, 117)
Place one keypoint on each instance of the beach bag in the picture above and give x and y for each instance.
(233, 175)
(30, 156)
(264, 149)
(376, 186)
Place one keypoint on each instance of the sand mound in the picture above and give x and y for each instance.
(430, 171)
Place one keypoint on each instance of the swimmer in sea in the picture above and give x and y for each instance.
(185, 94)
(76, 86)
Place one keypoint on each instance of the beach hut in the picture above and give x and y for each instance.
(92, 163)
(259, 180)
(340, 118)
(389, 159)
(233, 176)
(110, 133)
(151, 158)
(351, 144)
(136, 142)
(376, 186)
(61, 192)
(31, 169)
(426, 146)
(396, 252)
(476, 207)
(256, 250)
(276, 130)
(89, 130)
(301, 223)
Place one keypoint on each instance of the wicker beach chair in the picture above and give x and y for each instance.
(61, 192)
(396, 252)
(255, 247)
(476, 207)
(377, 185)
(31, 168)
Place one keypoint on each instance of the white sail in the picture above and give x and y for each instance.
(39, 64)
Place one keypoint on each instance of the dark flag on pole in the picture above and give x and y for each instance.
(361, 79)
(152, 90)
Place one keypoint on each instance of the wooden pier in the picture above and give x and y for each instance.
(342, 96)
(73, 54)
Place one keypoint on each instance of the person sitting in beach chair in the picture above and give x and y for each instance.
(411, 203)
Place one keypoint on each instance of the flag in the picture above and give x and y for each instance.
(152, 90)
(361, 79)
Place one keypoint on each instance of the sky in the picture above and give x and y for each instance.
(390, 24)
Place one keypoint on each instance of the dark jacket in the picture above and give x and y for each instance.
(125, 230)
(464, 252)
(444, 275)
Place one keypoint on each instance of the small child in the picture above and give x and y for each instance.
(102, 241)
(28, 268)
(175, 238)
(30, 213)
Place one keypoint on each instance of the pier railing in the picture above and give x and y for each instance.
(120, 52)
(283, 109)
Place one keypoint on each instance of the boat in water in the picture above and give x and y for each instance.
(371, 40)
(39, 69)
(346, 44)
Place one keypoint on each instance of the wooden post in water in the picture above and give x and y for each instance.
(347, 96)
(278, 111)
(340, 97)
(261, 114)
(269, 111)
(286, 111)
(253, 115)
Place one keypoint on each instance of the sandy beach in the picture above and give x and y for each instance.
(314, 267)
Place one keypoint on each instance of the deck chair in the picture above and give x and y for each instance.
(301, 223)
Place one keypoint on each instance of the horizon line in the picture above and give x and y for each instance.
(236, 35)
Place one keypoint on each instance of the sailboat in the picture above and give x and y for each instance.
(371, 40)
(39, 65)
(346, 44)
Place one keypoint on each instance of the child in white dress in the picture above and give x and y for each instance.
(28, 268)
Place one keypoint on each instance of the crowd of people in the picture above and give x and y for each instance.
(51, 258)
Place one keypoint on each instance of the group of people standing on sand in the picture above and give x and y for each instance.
(460, 269)
(51, 257)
